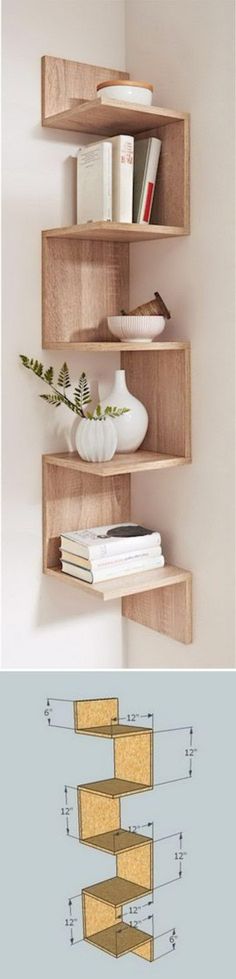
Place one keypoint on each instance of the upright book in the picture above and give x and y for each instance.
(94, 182)
(122, 178)
(146, 159)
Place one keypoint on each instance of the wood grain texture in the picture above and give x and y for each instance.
(110, 347)
(108, 117)
(112, 231)
(133, 758)
(83, 282)
(92, 713)
(135, 584)
(64, 81)
(97, 814)
(118, 841)
(96, 915)
(145, 951)
(168, 610)
(116, 891)
(72, 500)
(127, 462)
(111, 731)
(162, 383)
(120, 939)
(136, 865)
(114, 787)
(171, 196)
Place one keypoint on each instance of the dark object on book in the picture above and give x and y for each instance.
(128, 531)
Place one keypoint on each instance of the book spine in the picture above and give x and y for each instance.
(107, 182)
(120, 570)
(105, 574)
(110, 561)
(122, 178)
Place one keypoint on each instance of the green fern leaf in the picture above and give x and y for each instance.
(64, 377)
(52, 399)
(82, 393)
(48, 375)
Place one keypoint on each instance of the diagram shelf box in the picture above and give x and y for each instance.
(122, 938)
(116, 841)
(116, 891)
(114, 787)
(99, 824)
(114, 731)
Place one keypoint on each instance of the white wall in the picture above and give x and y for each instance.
(46, 625)
(185, 48)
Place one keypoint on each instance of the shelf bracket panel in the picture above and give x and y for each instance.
(167, 610)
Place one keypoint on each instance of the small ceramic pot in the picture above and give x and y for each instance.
(96, 441)
(127, 91)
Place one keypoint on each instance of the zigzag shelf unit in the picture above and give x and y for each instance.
(85, 272)
(99, 816)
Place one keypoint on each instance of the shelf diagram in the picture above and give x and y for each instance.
(98, 805)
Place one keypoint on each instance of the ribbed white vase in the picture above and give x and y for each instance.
(95, 440)
(131, 428)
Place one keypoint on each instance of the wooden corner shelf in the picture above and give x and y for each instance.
(85, 279)
(70, 102)
(69, 495)
(99, 821)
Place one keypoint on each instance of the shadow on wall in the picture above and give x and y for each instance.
(51, 610)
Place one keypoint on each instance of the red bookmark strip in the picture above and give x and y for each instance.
(148, 202)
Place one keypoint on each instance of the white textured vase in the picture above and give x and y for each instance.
(96, 441)
(131, 428)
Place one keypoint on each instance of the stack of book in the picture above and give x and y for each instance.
(116, 179)
(114, 551)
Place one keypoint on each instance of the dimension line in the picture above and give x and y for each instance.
(163, 954)
(169, 780)
(168, 730)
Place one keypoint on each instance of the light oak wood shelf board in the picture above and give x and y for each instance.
(129, 584)
(128, 462)
(114, 731)
(117, 841)
(109, 117)
(115, 787)
(119, 939)
(116, 891)
(109, 347)
(112, 231)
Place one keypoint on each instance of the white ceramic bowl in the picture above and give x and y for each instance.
(136, 329)
(133, 92)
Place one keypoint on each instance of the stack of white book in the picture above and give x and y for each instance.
(116, 179)
(112, 551)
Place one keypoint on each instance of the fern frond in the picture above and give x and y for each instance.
(48, 375)
(64, 377)
(82, 393)
(114, 412)
(52, 399)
